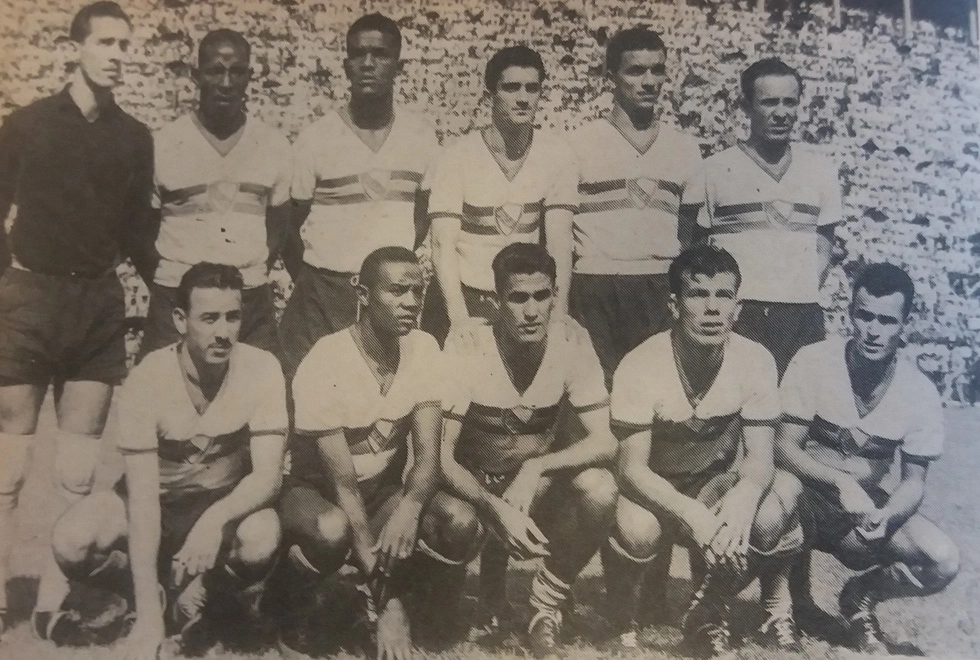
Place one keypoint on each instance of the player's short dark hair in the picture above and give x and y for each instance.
(884, 279)
(376, 23)
(503, 59)
(222, 36)
(771, 66)
(206, 275)
(702, 259)
(522, 259)
(81, 24)
(393, 254)
(637, 38)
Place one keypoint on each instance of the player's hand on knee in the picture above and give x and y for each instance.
(144, 640)
(699, 523)
(397, 540)
(735, 514)
(200, 550)
(464, 335)
(873, 528)
(520, 494)
(521, 536)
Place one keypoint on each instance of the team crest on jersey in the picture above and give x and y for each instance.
(381, 436)
(516, 419)
(375, 183)
(508, 217)
(222, 195)
(779, 212)
(641, 191)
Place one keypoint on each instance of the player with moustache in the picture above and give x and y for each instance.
(509, 469)
(365, 397)
(222, 189)
(507, 183)
(695, 410)
(360, 184)
(76, 173)
(202, 426)
(853, 411)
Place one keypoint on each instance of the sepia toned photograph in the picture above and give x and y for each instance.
(491, 329)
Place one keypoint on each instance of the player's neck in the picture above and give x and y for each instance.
(371, 113)
(220, 125)
(868, 375)
(518, 355)
(89, 98)
(509, 140)
(383, 349)
(770, 151)
(637, 120)
(205, 377)
(700, 362)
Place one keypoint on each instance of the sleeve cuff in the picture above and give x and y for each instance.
(275, 431)
(565, 207)
(629, 426)
(318, 432)
(761, 422)
(794, 419)
(445, 214)
(133, 451)
(917, 459)
(598, 405)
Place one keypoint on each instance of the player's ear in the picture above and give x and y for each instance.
(738, 310)
(672, 305)
(180, 320)
(361, 290)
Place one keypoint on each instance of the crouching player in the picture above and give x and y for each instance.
(541, 496)
(202, 427)
(848, 405)
(684, 404)
(359, 394)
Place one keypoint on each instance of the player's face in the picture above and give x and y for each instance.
(102, 55)
(878, 324)
(371, 63)
(707, 307)
(516, 98)
(639, 79)
(223, 79)
(525, 307)
(773, 108)
(210, 327)
(393, 302)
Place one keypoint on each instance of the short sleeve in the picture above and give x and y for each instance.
(303, 179)
(431, 151)
(318, 397)
(586, 385)
(631, 406)
(925, 438)
(280, 193)
(137, 410)
(797, 395)
(431, 377)
(708, 208)
(761, 405)
(446, 198)
(563, 192)
(694, 193)
(155, 189)
(269, 412)
(457, 393)
(831, 207)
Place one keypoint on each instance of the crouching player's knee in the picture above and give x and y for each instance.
(257, 538)
(74, 464)
(595, 490)
(637, 534)
(14, 453)
(85, 535)
(450, 530)
(777, 527)
(942, 565)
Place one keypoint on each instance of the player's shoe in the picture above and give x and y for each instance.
(857, 607)
(779, 632)
(187, 617)
(705, 623)
(63, 627)
(543, 633)
(491, 621)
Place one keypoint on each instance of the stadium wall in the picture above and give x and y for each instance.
(898, 116)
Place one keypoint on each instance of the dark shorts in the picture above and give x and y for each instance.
(435, 318)
(177, 517)
(620, 312)
(825, 523)
(706, 487)
(61, 327)
(322, 302)
(783, 328)
(258, 319)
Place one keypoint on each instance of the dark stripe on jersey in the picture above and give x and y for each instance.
(351, 179)
(489, 211)
(793, 419)
(327, 199)
(760, 422)
(620, 204)
(493, 230)
(504, 421)
(842, 440)
(181, 195)
(599, 187)
(567, 207)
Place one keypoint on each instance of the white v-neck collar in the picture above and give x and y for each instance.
(493, 158)
(185, 384)
(765, 166)
(622, 136)
(343, 113)
(222, 147)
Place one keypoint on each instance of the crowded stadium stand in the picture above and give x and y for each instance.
(897, 112)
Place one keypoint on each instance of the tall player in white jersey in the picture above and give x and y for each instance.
(641, 185)
(852, 409)
(222, 189)
(506, 183)
(774, 204)
(686, 405)
(359, 183)
(365, 398)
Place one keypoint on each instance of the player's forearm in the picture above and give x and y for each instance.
(277, 221)
(144, 546)
(654, 493)
(903, 503)
(421, 482)
(791, 457)
(558, 230)
(142, 247)
(445, 261)
(592, 450)
(824, 253)
(352, 504)
(292, 247)
(462, 483)
(254, 492)
(758, 468)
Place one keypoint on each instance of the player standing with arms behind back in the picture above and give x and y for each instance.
(847, 406)
(76, 174)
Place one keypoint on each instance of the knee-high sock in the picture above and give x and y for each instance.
(14, 458)
(624, 579)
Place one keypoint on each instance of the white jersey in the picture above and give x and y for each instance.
(213, 206)
(335, 389)
(362, 200)
(627, 221)
(493, 211)
(816, 391)
(209, 451)
(770, 226)
(503, 427)
(689, 437)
